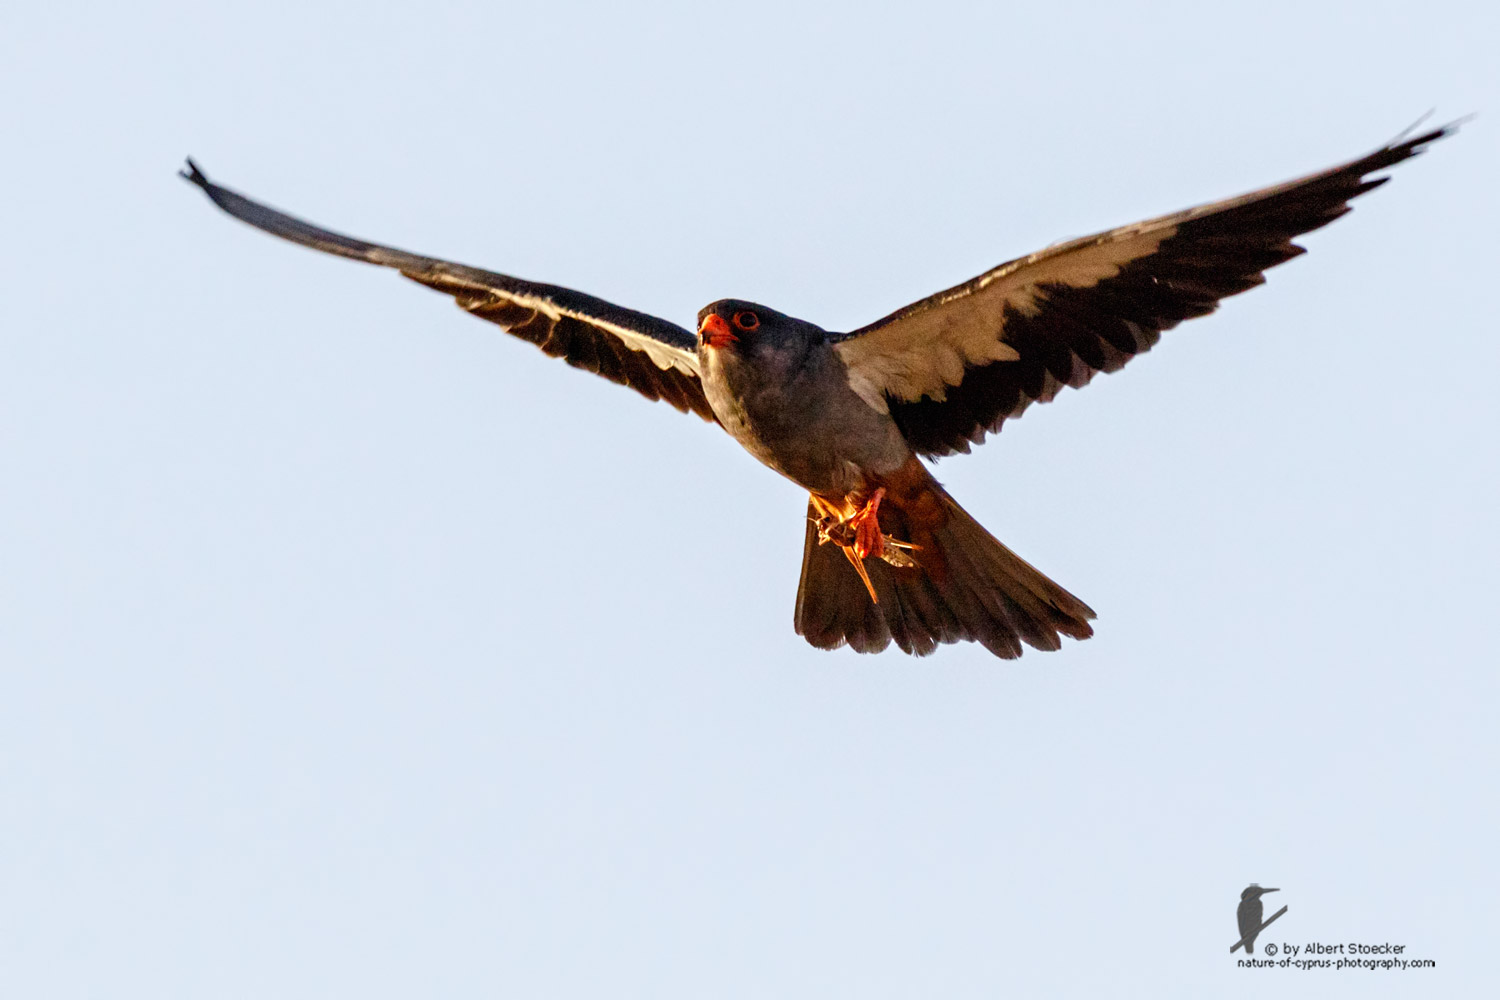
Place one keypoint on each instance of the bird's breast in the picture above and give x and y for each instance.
(795, 412)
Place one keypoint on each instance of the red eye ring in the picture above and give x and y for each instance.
(746, 320)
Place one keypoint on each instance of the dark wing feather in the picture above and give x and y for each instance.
(955, 366)
(654, 357)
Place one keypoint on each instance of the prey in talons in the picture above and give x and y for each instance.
(859, 535)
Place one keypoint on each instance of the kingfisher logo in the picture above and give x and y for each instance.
(1279, 953)
(1249, 914)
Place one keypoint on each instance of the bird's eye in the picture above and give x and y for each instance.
(746, 320)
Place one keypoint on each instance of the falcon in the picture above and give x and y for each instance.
(888, 555)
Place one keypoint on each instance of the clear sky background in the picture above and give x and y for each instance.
(351, 648)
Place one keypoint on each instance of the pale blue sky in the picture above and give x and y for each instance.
(350, 648)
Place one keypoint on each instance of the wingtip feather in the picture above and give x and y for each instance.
(194, 175)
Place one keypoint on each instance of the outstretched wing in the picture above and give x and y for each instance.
(955, 366)
(653, 356)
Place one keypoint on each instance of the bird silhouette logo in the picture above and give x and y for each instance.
(1249, 914)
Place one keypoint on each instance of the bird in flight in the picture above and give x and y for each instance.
(889, 556)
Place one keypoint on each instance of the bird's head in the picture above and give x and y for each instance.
(1255, 892)
(739, 326)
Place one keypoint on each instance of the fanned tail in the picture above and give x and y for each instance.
(965, 586)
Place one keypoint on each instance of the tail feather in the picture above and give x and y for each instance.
(836, 610)
(966, 586)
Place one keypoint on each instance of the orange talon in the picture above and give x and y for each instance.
(858, 535)
(868, 541)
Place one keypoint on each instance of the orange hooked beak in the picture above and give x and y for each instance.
(715, 331)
